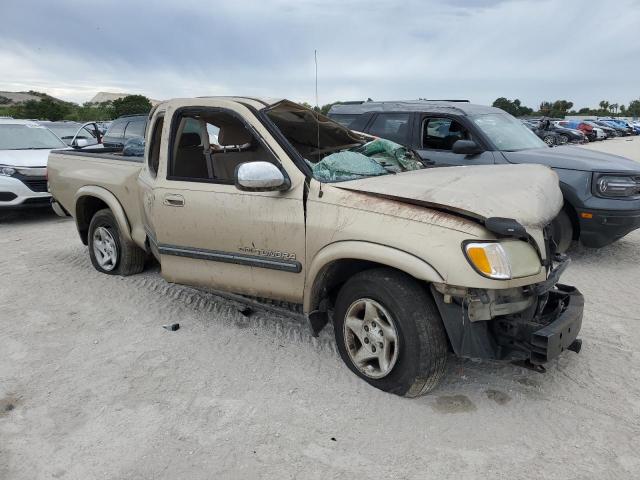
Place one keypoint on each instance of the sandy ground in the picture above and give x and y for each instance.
(92, 386)
(624, 146)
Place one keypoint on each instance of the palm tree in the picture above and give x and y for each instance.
(604, 105)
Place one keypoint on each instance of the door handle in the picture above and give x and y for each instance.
(173, 200)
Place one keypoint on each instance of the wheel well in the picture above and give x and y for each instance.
(86, 208)
(330, 279)
(573, 216)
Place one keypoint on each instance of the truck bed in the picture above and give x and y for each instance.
(69, 171)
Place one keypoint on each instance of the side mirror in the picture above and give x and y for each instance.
(80, 143)
(466, 147)
(260, 177)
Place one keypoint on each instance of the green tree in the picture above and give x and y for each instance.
(633, 110)
(557, 109)
(545, 109)
(507, 105)
(131, 104)
(45, 109)
(514, 107)
(604, 107)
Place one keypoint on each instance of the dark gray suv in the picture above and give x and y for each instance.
(601, 191)
(124, 128)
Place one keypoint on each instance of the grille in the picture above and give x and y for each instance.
(7, 196)
(36, 184)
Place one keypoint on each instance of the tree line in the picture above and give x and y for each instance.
(49, 108)
(561, 108)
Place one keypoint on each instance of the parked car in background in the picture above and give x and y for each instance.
(566, 135)
(75, 134)
(618, 131)
(123, 129)
(623, 129)
(548, 136)
(626, 125)
(606, 130)
(601, 191)
(582, 126)
(24, 149)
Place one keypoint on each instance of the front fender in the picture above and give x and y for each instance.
(111, 201)
(361, 250)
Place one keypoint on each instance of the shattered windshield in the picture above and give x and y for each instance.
(334, 153)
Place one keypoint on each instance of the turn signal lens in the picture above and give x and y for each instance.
(490, 259)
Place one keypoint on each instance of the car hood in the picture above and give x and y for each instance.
(574, 158)
(527, 193)
(24, 158)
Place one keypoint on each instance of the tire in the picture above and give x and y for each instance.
(416, 362)
(563, 139)
(549, 140)
(562, 231)
(110, 253)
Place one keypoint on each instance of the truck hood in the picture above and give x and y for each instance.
(24, 158)
(574, 158)
(527, 193)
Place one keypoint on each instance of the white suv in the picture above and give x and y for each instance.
(24, 149)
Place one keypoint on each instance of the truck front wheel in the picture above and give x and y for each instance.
(110, 253)
(562, 231)
(389, 332)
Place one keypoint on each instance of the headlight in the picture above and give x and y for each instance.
(616, 186)
(489, 259)
(504, 259)
(7, 171)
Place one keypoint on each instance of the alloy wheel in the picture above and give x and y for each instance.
(105, 248)
(371, 338)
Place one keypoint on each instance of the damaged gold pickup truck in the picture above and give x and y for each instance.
(266, 198)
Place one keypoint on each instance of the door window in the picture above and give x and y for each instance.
(344, 119)
(135, 129)
(392, 126)
(442, 133)
(116, 129)
(208, 146)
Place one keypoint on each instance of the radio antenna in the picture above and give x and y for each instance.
(315, 57)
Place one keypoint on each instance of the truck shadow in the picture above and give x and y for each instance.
(28, 215)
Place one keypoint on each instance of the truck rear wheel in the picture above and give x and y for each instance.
(110, 253)
(389, 332)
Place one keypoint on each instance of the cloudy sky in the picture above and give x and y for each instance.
(477, 49)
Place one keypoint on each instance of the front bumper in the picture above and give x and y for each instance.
(23, 192)
(539, 333)
(560, 333)
(606, 226)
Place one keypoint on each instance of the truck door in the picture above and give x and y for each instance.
(210, 233)
(436, 136)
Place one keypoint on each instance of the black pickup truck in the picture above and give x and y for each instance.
(601, 191)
